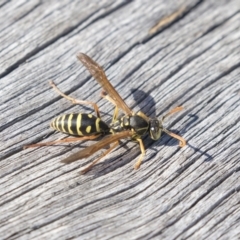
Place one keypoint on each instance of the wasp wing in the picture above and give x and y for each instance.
(98, 73)
(97, 146)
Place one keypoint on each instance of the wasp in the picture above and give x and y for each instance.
(87, 126)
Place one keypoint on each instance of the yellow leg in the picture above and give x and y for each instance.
(75, 101)
(87, 168)
(66, 140)
(138, 163)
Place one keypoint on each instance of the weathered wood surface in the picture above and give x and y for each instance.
(190, 58)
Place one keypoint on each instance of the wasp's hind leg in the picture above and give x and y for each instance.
(75, 101)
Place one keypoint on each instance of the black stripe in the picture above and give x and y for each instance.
(104, 128)
(56, 122)
(74, 123)
(60, 122)
(65, 123)
(87, 121)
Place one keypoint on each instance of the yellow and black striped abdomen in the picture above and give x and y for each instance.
(79, 124)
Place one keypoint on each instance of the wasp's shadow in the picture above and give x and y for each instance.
(145, 102)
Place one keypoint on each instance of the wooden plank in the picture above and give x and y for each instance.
(190, 59)
(38, 24)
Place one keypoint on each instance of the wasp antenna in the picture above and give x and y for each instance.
(182, 141)
(177, 109)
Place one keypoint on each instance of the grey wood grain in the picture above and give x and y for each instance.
(191, 60)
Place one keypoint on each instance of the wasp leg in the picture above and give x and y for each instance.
(87, 168)
(177, 109)
(138, 163)
(108, 98)
(75, 101)
(66, 140)
(182, 141)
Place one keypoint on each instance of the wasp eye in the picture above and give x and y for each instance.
(155, 129)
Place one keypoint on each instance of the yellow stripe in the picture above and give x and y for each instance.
(90, 115)
(112, 131)
(97, 124)
(79, 121)
(62, 123)
(54, 123)
(70, 123)
(58, 123)
(88, 129)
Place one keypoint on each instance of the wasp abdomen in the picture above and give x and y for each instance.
(79, 124)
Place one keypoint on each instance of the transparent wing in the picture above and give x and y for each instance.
(98, 73)
(97, 146)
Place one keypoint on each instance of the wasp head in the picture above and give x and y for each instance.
(155, 128)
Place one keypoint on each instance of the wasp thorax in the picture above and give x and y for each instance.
(155, 129)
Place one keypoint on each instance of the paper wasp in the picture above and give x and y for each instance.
(87, 126)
